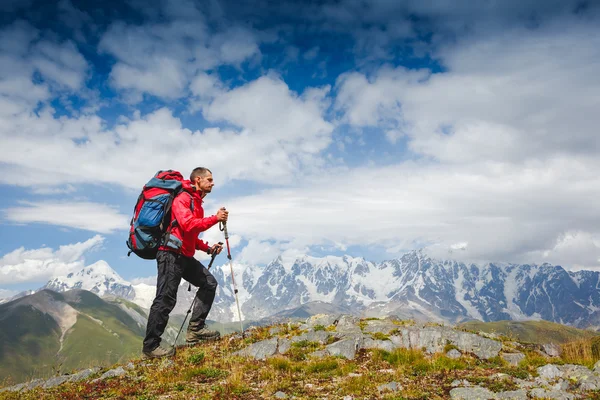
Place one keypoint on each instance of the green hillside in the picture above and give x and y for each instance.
(539, 332)
(29, 342)
(102, 334)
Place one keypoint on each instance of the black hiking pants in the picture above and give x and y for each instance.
(171, 268)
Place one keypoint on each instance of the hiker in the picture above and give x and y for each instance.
(175, 260)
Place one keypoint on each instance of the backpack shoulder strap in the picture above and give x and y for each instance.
(174, 221)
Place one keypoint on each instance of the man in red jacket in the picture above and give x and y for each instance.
(176, 260)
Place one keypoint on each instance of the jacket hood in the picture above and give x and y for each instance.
(188, 187)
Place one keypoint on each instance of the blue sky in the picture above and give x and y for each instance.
(346, 127)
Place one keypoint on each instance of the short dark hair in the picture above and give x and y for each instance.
(199, 171)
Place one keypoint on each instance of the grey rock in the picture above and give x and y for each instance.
(584, 378)
(284, 345)
(280, 395)
(434, 339)
(512, 394)
(313, 336)
(389, 387)
(129, 366)
(33, 384)
(380, 326)
(348, 324)
(114, 372)
(576, 372)
(597, 367)
(459, 382)
(550, 394)
(348, 398)
(57, 380)
(453, 354)
(86, 373)
(346, 348)
(14, 388)
(274, 330)
(549, 371)
(259, 350)
(470, 342)
(590, 385)
(474, 393)
(319, 354)
(322, 319)
(488, 335)
(560, 385)
(524, 383)
(386, 345)
(553, 350)
(513, 358)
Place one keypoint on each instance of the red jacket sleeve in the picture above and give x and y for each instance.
(202, 245)
(182, 212)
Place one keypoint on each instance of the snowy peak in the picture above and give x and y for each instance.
(98, 278)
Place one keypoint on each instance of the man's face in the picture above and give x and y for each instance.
(205, 183)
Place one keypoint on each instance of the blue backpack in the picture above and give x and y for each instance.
(152, 214)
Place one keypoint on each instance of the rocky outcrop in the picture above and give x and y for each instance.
(344, 336)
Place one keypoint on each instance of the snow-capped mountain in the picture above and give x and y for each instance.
(98, 278)
(413, 286)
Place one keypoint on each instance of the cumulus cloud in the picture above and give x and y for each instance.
(505, 135)
(278, 133)
(506, 98)
(502, 213)
(163, 58)
(37, 265)
(88, 216)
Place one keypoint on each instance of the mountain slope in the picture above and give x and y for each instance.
(50, 331)
(413, 286)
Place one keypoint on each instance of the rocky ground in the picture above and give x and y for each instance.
(338, 357)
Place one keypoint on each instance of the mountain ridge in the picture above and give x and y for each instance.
(414, 286)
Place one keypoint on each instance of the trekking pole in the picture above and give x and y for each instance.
(212, 258)
(223, 227)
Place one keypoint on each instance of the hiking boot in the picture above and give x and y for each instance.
(158, 352)
(197, 335)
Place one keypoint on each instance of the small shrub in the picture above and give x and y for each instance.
(321, 366)
(516, 372)
(299, 350)
(205, 372)
(449, 346)
(280, 363)
(401, 356)
(501, 385)
(319, 328)
(379, 336)
(196, 358)
(443, 363)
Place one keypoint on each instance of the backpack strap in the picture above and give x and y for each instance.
(176, 243)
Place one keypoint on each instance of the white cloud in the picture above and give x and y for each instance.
(89, 216)
(22, 54)
(162, 58)
(504, 213)
(279, 133)
(38, 265)
(508, 98)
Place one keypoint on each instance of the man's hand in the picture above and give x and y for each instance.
(222, 215)
(215, 248)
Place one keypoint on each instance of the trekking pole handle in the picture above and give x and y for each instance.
(212, 257)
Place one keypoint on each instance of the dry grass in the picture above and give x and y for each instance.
(211, 371)
(584, 351)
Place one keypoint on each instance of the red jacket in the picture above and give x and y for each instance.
(189, 224)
